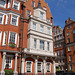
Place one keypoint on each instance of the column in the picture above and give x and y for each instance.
(15, 66)
(54, 67)
(36, 61)
(22, 66)
(44, 62)
(45, 45)
(3, 62)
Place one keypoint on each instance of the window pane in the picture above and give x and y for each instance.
(34, 26)
(1, 18)
(34, 43)
(2, 3)
(39, 67)
(42, 45)
(41, 15)
(16, 5)
(28, 13)
(41, 28)
(48, 30)
(33, 4)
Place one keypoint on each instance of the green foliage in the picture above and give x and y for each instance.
(8, 71)
(57, 69)
(70, 70)
(12, 45)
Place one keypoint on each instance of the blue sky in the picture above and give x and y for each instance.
(61, 11)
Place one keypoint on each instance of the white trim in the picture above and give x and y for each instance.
(26, 66)
(15, 37)
(5, 4)
(17, 19)
(0, 36)
(4, 38)
(2, 17)
(7, 19)
(18, 41)
(17, 5)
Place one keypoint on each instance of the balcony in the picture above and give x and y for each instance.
(39, 52)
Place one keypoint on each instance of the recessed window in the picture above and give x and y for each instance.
(62, 52)
(68, 27)
(1, 18)
(9, 4)
(8, 62)
(41, 45)
(3, 3)
(14, 20)
(68, 40)
(12, 37)
(41, 28)
(74, 31)
(28, 66)
(16, 5)
(71, 25)
(5, 38)
(41, 15)
(48, 20)
(44, 8)
(69, 48)
(48, 67)
(39, 67)
(28, 13)
(70, 58)
(70, 67)
(48, 46)
(35, 43)
(58, 53)
(48, 30)
(34, 26)
(67, 33)
(33, 4)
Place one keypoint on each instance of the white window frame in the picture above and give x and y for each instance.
(69, 48)
(5, 37)
(0, 36)
(41, 28)
(34, 43)
(41, 66)
(7, 19)
(49, 66)
(70, 67)
(70, 58)
(48, 30)
(9, 3)
(34, 26)
(44, 8)
(26, 66)
(34, 4)
(16, 4)
(41, 15)
(4, 6)
(15, 18)
(2, 18)
(43, 45)
(15, 37)
(10, 63)
(48, 20)
(28, 14)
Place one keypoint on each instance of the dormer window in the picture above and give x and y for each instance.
(41, 15)
(3, 3)
(33, 4)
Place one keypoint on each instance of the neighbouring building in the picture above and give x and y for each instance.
(26, 40)
(59, 48)
(69, 32)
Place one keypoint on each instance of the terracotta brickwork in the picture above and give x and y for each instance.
(70, 44)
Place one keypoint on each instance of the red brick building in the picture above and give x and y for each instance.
(26, 40)
(69, 31)
(59, 48)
